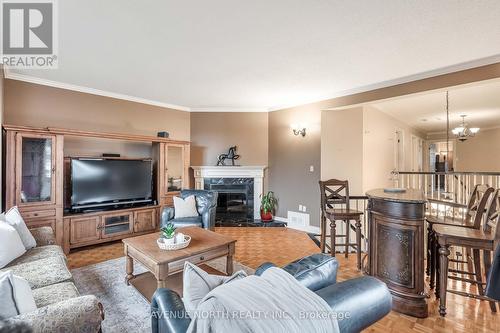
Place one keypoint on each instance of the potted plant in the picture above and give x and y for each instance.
(268, 204)
(168, 233)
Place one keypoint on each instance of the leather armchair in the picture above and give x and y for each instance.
(363, 301)
(206, 204)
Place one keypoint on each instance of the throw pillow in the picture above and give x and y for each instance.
(11, 245)
(8, 306)
(15, 219)
(16, 296)
(185, 207)
(197, 284)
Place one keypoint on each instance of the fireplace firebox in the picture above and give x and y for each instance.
(235, 203)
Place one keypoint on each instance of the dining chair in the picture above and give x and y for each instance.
(484, 239)
(477, 202)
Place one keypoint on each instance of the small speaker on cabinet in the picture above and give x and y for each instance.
(163, 134)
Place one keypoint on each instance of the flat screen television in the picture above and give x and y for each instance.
(101, 183)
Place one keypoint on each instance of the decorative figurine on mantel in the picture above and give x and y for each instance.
(231, 155)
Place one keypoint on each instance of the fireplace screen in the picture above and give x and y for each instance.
(235, 199)
(232, 205)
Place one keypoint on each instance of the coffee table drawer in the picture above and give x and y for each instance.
(199, 258)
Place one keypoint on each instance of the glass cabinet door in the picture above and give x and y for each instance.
(175, 167)
(36, 169)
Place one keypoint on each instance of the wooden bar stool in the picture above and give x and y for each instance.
(485, 239)
(477, 202)
(335, 207)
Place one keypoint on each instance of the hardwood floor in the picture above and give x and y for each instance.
(254, 247)
(282, 245)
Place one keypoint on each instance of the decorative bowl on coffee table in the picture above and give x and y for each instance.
(174, 246)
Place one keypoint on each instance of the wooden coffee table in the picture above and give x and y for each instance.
(165, 267)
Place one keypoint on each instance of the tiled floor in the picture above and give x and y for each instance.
(282, 245)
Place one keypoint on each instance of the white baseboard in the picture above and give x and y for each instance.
(306, 228)
(309, 229)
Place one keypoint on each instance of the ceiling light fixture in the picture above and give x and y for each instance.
(463, 132)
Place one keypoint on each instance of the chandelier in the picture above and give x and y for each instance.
(463, 132)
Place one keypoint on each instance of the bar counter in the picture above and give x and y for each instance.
(396, 247)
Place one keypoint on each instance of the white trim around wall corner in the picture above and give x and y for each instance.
(55, 84)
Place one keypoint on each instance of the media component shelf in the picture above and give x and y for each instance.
(99, 227)
(37, 180)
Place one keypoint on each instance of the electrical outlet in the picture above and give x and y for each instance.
(304, 209)
(300, 208)
(311, 168)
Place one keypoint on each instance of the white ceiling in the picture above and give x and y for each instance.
(426, 112)
(261, 54)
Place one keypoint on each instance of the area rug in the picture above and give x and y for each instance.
(124, 307)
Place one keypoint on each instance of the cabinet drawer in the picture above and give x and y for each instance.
(199, 258)
(37, 223)
(169, 201)
(36, 214)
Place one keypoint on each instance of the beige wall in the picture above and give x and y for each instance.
(480, 153)
(40, 106)
(342, 147)
(357, 144)
(36, 105)
(212, 133)
(74, 146)
(379, 147)
(290, 159)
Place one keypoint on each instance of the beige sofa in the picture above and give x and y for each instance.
(60, 306)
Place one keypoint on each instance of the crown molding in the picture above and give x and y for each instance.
(228, 109)
(406, 79)
(385, 84)
(55, 84)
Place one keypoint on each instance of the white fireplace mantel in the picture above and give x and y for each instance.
(255, 172)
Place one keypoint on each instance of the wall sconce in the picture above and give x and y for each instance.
(298, 129)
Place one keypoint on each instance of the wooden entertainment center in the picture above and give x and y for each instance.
(36, 177)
